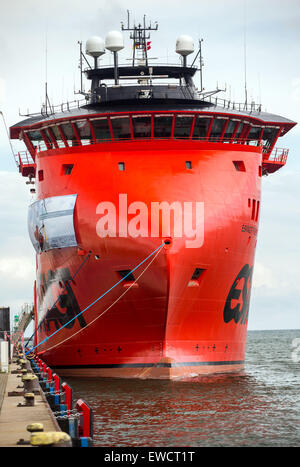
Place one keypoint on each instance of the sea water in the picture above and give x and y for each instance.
(258, 407)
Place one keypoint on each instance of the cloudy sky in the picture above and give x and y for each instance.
(271, 31)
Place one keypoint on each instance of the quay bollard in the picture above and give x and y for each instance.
(76, 424)
(30, 383)
(34, 427)
(31, 428)
(29, 399)
(50, 439)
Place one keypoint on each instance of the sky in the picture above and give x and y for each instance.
(39, 42)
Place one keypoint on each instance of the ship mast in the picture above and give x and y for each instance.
(140, 36)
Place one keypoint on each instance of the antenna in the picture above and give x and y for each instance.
(114, 43)
(140, 37)
(47, 100)
(46, 68)
(201, 64)
(245, 51)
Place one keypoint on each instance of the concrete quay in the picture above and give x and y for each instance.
(15, 416)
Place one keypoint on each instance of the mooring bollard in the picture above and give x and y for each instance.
(29, 399)
(29, 382)
(76, 424)
(51, 439)
(34, 427)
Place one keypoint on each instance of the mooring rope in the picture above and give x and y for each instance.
(99, 298)
(109, 307)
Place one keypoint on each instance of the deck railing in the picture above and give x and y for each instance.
(227, 104)
(24, 157)
(278, 155)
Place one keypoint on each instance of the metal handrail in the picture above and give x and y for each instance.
(51, 110)
(24, 158)
(278, 155)
(226, 104)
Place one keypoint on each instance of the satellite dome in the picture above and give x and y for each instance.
(114, 41)
(95, 46)
(185, 45)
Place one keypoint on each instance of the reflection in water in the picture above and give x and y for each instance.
(259, 407)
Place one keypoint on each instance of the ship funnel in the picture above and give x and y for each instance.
(185, 46)
(95, 47)
(114, 42)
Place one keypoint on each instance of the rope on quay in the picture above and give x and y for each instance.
(157, 250)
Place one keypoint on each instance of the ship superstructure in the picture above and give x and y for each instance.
(146, 164)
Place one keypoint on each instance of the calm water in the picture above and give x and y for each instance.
(260, 407)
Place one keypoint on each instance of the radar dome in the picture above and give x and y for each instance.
(185, 45)
(95, 46)
(114, 41)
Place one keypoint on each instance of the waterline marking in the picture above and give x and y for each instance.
(176, 220)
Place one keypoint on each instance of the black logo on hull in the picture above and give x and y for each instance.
(56, 295)
(240, 294)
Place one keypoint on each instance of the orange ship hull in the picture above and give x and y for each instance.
(185, 310)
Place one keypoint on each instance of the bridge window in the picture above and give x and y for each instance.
(217, 129)
(121, 127)
(56, 132)
(183, 126)
(101, 129)
(237, 137)
(35, 135)
(162, 126)
(269, 136)
(201, 127)
(69, 133)
(229, 130)
(83, 128)
(46, 139)
(254, 136)
(141, 126)
(165, 126)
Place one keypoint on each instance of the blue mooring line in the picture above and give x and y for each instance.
(99, 298)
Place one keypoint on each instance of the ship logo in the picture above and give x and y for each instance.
(62, 310)
(238, 300)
